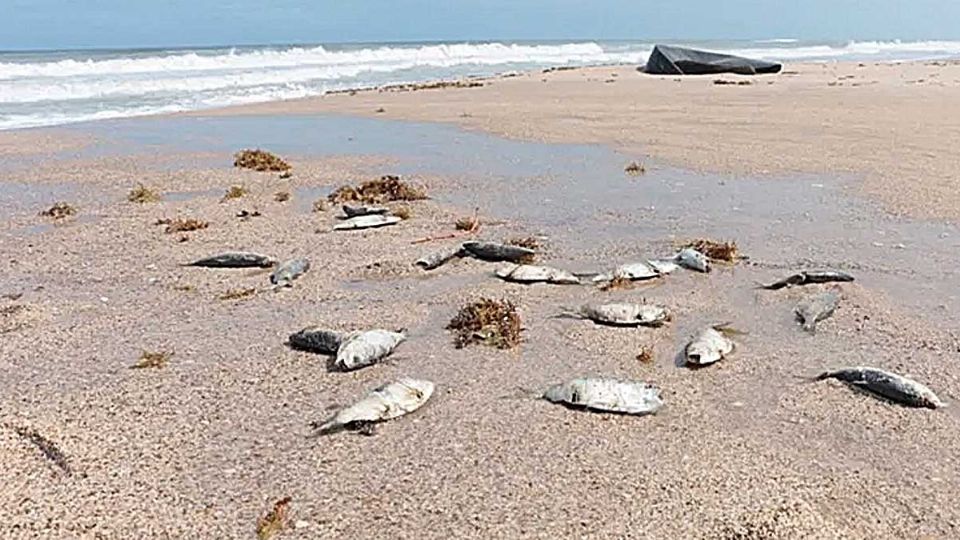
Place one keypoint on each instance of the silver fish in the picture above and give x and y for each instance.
(607, 394)
(496, 252)
(361, 210)
(235, 259)
(439, 258)
(693, 260)
(366, 222)
(709, 346)
(284, 275)
(806, 278)
(632, 271)
(316, 339)
(361, 349)
(383, 403)
(663, 266)
(528, 273)
(815, 308)
(623, 314)
(888, 385)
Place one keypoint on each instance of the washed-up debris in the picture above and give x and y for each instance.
(693, 260)
(887, 385)
(645, 356)
(235, 259)
(634, 168)
(59, 210)
(237, 294)
(319, 205)
(726, 82)
(815, 308)
(152, 360)
(496, 252)
(439, 258)
(625, 314)
(363, 210)
(720, 251)
(402, 212)
(469, 223)
(259, 160)
(807, 278)
(435, 85)
(492, 322)
(48, 448)
(142, 194)
(385, 189)
(316, 339)
(384, 403)
(528, 273)
(616, 283)
(711, 345)
(529, 242)
(180, 225)
(281, 196)
(638, 271)
(245, 214)
(607, 395)
(234, 192)
(361, 349)
(366, 222)
(284, 275)
(275, 520)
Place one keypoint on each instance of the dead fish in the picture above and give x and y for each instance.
(495, 252)
(528, 273)
(607, 394)
(693, 260)
(662, 266)
(623, 314)
(439, 258)
(289, 271)
(361, 349)
(806, 278)
(366, 222)
(709, 346)
(316, 339)
(235, 259)
(815, 308)
(386, 402)
(354, 211)
(888, 385)
(638, 271)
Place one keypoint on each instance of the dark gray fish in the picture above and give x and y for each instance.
(235, 259)
(289, 271)
(496, 252)
(439, 258)
(815, 308)
(887, 385)
(806, 278)
(361, 210)
(316, 339)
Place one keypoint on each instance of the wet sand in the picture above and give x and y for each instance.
(202, 447)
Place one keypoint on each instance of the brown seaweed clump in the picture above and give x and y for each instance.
(634, 168)
(384, 189)
(183, 225)
(645, 356)
(721, 251)
(152, 360)
(529, 242)
(319, 205)
(142, 194)
(234, 192)
(275, 520)
(59, 210)
(617, 283)
(468, 224)
(495, 323)
(259, 160)
(281, 196)
(402, 212)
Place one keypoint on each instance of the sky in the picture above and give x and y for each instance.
(69, 24)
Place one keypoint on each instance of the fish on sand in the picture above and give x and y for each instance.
(607, 395)
(386, 402)
(638, 271)
(366, 222)
(235, 259)
(284, 275)
(316, 339)
(625, 314)
(439, 258)
(528, 273)
(361, 349)
(887, 385)
(361, 210)
(693, 260)
(710, 345)
(496, 252)
(807, 278)
(815, 308)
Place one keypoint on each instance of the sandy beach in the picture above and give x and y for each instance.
(844, 166)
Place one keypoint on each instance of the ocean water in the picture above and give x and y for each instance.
(61, 87)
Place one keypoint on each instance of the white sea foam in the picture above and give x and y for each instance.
(38, 89)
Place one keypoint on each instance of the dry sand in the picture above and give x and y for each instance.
(204, 446)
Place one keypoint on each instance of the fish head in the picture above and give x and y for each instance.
(561, 393)
(699, 353)
(418, 388)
